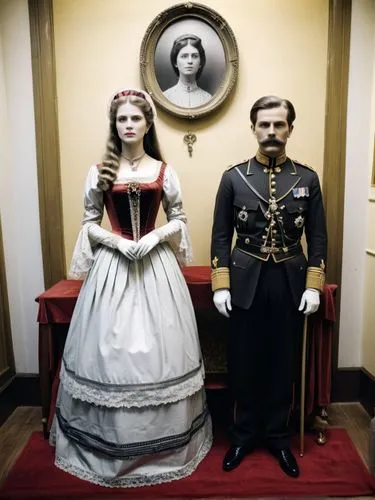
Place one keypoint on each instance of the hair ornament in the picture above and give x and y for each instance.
(137, 93)
(187, 36)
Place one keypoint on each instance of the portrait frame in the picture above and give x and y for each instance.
(224, 63)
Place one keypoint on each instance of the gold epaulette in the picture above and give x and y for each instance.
(220, 278)
(236, 164)
(304, 165)
(315, 278)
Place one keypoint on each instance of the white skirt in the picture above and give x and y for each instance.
(131, 408)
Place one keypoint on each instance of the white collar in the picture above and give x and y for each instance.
(188, 87)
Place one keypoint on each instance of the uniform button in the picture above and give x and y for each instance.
(273, 190)
(273, 183)
(273, 222)
(274, 231)
(273, 240)
(264, 237)
(273, 176)
(247, 241)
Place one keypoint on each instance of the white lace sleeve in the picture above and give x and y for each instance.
(93, 213)
(172, 204)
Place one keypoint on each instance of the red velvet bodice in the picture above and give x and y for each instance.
(117, 205)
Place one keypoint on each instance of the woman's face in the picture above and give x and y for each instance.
(131, 123)
(188, 60)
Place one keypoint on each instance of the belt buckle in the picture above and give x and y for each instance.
(269, 250)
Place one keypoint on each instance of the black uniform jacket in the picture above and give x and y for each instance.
(268, 207)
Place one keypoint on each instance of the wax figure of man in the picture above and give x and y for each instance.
(265, 284)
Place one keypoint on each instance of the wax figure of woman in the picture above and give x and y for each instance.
(131, 408)
(188, 59)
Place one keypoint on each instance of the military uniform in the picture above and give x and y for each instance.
(269, 202)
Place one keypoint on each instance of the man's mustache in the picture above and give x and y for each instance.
(272, 142)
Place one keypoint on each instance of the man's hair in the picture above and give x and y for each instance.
(269, 102)
(181, 42)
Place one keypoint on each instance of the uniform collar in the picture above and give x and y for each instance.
(270, 162)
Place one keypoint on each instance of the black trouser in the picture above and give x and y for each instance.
(263, 348)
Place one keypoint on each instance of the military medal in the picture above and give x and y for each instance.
(243, 215)
(301, 192)
(299, 221)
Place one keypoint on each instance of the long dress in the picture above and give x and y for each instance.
(131, 407)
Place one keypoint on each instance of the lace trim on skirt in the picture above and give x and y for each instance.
(133, 398)
(141, 480)
(129, 451)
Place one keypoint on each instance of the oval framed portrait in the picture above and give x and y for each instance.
(189, 60)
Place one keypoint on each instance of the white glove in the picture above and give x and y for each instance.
(163, 233)
(146, 244)
(169, 229)
(222, 301)
(99, 235)
(310, 301)
(127, 248)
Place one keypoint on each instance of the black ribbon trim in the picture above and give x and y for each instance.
(130, 450)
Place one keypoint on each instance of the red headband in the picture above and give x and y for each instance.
(136, 93)
(124, 93)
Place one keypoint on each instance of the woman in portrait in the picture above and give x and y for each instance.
(131, 407)
(188, 59)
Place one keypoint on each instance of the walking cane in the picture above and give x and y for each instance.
(302, 401)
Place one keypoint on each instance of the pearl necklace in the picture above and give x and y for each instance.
(134, 162)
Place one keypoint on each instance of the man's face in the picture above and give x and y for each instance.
(272, 130)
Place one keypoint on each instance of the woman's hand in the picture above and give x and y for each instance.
(127, 248)
(146, 244)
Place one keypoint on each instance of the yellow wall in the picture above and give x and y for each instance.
(368, 342)
(282, 49)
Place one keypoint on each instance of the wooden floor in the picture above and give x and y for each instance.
(16, 430)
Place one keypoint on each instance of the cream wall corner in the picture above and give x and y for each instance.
(369, 291)
(356, 210)
(18, 183)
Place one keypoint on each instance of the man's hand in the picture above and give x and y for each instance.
(146, 244)
(310, 301)
(222, 301)
(127, 248)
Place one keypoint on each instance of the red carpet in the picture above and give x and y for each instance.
(331, 470)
